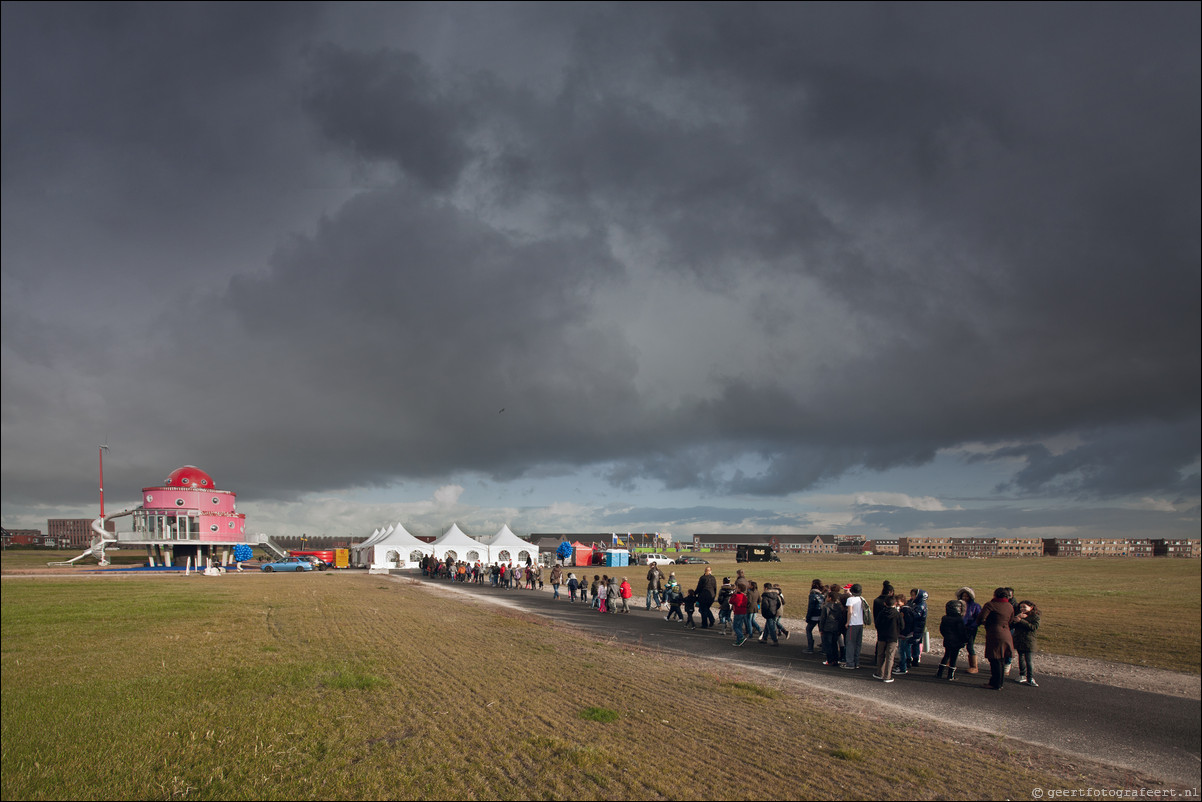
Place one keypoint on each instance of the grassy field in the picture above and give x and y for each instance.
(1108, 609)
(349, 686)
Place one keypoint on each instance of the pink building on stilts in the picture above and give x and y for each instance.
(187, 516)
(184, 521)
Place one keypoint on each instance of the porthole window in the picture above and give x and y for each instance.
(216, 500)
(231, 524)
(179, 502)
(149, 499)
(204, 482)
(184, 481)
(213, 528)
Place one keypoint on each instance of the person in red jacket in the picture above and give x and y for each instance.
(624, 594)
(740, 607)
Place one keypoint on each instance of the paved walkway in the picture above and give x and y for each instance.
(1147, 732)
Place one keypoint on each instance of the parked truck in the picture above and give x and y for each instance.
(326, 558)
(756, 554)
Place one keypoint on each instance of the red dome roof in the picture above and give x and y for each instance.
(189, 476)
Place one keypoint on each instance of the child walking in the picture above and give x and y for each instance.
(1025, 625)
(675, 599)
(955, 638)
(690, 606)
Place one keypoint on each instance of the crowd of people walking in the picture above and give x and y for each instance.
(836, 616)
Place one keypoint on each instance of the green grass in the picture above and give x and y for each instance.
(601, 714)
(343, 687)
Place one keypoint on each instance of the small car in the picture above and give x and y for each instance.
(687, 560)
(287, 564)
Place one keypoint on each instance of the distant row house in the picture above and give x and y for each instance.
(1174, 548)
(981, 547)
(1019, 546)
(786, 543)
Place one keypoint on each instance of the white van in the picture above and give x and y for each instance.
(658, 559)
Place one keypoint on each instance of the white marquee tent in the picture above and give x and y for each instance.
(459, 546)
(397, 549)
(361, 552)
(505, 547)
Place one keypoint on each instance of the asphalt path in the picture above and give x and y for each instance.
(1146, 732)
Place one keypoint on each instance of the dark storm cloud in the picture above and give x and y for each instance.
(1142, 457)
(387, 106)
(999, 203)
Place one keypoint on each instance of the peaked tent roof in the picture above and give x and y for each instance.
(455, 540)
(398, 535)
(506, 540)
(359, 549)
(399, 540)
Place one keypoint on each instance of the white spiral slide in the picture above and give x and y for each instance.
(101, 538)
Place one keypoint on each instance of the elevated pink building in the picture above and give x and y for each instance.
(188, 506)
(186, 516)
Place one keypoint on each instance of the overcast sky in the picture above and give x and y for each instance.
(841, 268)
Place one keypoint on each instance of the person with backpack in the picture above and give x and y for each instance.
(770, 605)
(614, 596)
(675, 600)
(780, 613)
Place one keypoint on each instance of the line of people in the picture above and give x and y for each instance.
(738, 601)
(841, 613)
(499, 575)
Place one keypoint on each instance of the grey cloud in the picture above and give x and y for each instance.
(1003, 205)
(1144, 457)
(388, 106)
